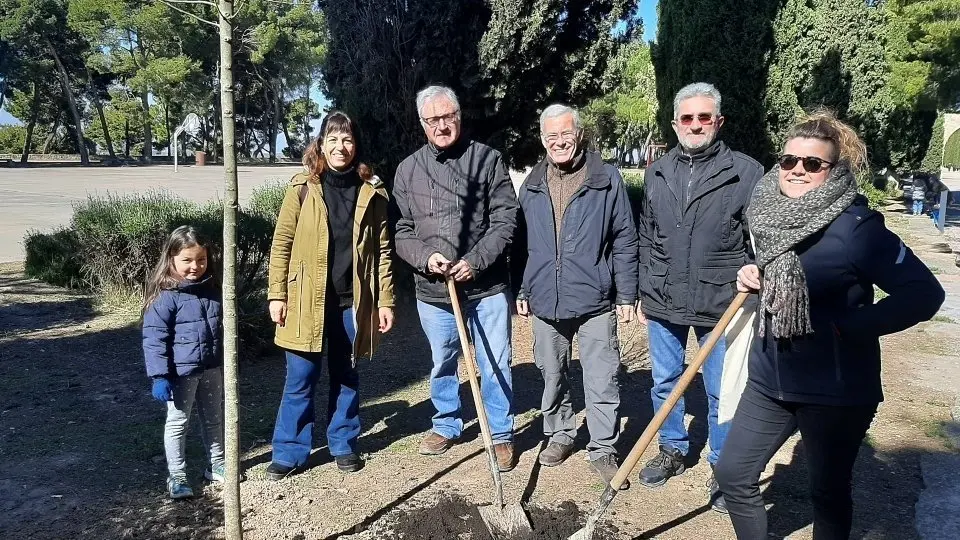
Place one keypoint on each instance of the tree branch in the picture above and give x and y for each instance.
(170, 4)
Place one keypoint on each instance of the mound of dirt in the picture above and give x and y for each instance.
(454, 517)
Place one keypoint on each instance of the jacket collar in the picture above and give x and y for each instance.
(597, 177)
(454, 151)
(719, 161)
(192, 286)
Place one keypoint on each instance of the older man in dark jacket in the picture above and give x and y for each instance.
(693, 239)
(579, 243)
(457, 214)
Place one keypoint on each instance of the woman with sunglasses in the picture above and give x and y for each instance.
(815, 361)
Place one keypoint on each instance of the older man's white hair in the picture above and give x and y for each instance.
(559, 109)
(698, 89)
(431, 92)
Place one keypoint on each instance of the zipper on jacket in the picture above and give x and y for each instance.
(300, 299)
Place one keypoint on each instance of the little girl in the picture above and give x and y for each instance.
(183, 349)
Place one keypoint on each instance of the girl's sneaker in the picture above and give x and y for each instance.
(215, 474)
(178, 488)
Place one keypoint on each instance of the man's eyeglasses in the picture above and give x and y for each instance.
(810, 163)
(553, 138)
(434, 121)
(705, 119)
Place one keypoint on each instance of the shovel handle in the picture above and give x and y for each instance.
(650, 432)
(475, 386)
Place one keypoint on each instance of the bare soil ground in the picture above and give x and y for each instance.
(81, 439)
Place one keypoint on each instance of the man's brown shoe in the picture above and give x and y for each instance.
(606, 466)
(435, 444)
(504, 452)
(555, 453)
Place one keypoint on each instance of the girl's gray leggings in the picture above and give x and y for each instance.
(205, 390)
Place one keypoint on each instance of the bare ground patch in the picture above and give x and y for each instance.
(81, 449)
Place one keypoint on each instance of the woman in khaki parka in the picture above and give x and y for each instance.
(327, 297)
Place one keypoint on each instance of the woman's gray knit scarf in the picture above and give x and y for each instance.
(778, 223)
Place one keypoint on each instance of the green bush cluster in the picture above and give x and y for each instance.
(53, 258)
(951, 152)
(113, 242)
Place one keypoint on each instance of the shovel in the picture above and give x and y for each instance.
(502, 520)
(586, 533)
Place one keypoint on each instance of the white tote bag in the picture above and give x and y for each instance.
(739, 338)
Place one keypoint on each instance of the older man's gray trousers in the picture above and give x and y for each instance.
(600, 362)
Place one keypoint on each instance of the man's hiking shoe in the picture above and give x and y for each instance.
(215, 474)
(435, 444)
(669, 462)
(717, 502)
(555, 454)
(606, 467)
(349, 463)
(278, 472)
(505, 457)
(178, 488)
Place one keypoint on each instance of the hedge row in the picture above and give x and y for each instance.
(113, 242)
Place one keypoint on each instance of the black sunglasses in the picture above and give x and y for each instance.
(810, 163)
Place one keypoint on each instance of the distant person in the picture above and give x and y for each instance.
(919, 193)
(815, 361)
(183, 350)
(330, 292)
(579, 245)
(693, 238)
(457, 213)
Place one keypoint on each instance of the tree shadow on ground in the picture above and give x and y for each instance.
(400, 367)
(36, 311)
(22, 317)
(884, 484)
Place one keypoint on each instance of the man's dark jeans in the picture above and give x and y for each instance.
(831, 440)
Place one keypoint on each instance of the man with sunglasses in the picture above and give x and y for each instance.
(576, 244)
(457, 211)
(693, 240)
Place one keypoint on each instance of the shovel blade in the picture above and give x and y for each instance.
(507, 522)
(585, 533)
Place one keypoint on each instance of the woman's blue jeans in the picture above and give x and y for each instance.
(293, 432)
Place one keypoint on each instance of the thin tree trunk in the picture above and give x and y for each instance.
(103, 119)
(166, 123)
(126, 137)
(51, 136)
(147, 152)
(306, 117)
(277, 118)
(72, 102)
(34, 113)
(291, 149)
(231, 493)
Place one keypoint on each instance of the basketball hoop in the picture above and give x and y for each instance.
(190, 126)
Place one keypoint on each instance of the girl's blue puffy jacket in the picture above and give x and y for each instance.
(183, 330)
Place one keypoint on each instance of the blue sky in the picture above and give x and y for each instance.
(648, 12)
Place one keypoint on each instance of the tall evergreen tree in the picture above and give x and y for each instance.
(505, 59)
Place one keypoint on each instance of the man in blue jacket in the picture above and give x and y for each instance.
(693, 239)
(577, 237)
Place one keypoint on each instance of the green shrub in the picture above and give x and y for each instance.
(951, 151)
(115, 241)
(634, 182)
(875, 196)
(54, 258)
(266, 200)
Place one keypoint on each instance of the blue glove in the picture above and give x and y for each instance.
(162, 390)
